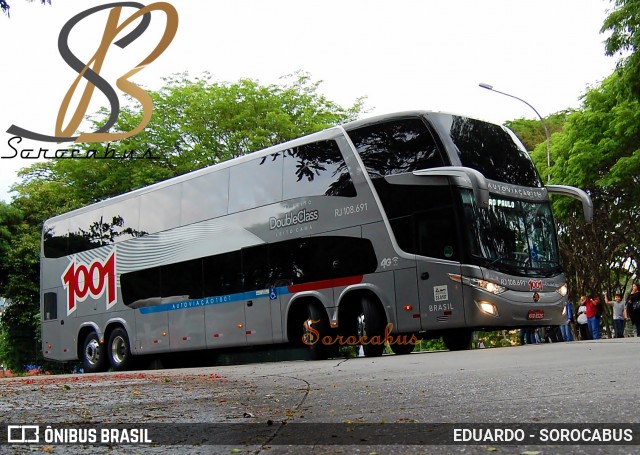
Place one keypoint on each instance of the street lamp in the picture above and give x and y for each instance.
(544, 124)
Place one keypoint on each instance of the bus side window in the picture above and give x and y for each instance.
(140, 285)
(182, 279)
(222, 274)
(50, 306)
(284, 264)
(255, 183)
(436, 234)
(255, 267)
(396, 147)
(56, 239)
(316, 169)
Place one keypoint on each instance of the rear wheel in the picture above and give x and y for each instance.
(370, 323)
(316, 327)
(119, 350)
(93, 357)
(458, 340)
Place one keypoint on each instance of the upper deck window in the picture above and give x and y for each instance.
(316, 169)
(396, 147)
(489, 148)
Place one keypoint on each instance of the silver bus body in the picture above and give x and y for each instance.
(389, 219)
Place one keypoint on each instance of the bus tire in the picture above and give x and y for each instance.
(458, 340)
(370, 323)
(320, 326)
(119, 350)
(93, 357)
(402, 349)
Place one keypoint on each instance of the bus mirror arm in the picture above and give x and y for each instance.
(576, 193)
(476, 178)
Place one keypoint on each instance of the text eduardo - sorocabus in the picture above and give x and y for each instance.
(291, 219)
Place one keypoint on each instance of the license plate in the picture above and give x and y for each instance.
(535, 315)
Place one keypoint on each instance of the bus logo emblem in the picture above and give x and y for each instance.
(82, 280)
(535, 285)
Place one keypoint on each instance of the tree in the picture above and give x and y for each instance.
(10, 220)
(623, 22)
(531, 132)
(194, 124)
(598, 150)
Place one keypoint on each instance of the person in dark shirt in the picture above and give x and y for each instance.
(633, 307)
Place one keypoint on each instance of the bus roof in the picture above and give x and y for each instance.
(323, 134)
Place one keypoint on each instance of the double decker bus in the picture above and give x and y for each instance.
(427, 224)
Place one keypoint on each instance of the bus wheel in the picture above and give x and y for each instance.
(316, 327)
(458, 340)
(119, 350)
(93, 357)
(370, 324)
(401, 349)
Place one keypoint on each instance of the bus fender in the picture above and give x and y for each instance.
(347, 296)
(114, 322)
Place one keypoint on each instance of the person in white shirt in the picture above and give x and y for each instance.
(582, 322)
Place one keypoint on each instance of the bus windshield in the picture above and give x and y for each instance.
(512, 236)
(491, 149)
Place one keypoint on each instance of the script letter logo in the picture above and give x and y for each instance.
(91, 72)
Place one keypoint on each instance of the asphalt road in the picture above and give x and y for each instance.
(362, 405)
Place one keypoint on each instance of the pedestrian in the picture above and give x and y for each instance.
(583, 322)
(633, 307)
(618, 313)
(536, 336)
(526, 335)
(565, 329)
(593, 316)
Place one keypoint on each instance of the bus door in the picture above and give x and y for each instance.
(225, 301)
(258, 295)
(58, 337)
(441, 303)
(51, 325)
(257, 312)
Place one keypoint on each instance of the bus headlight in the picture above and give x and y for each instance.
(488, 308)
(479, 284)
(562, 290)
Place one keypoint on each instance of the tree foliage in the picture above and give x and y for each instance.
(194, 124)
(597, 149)
(532, 132)
(623, 23)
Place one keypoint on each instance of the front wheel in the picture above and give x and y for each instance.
(93, 357)
(458, 340)
(119, 350)
(402, 348)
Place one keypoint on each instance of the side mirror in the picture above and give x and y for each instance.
(576, 193)
(475, 178)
